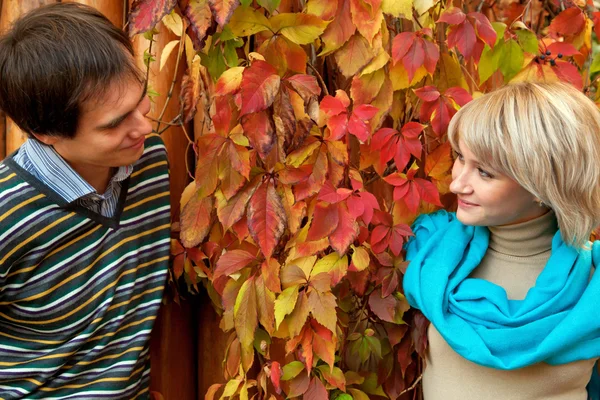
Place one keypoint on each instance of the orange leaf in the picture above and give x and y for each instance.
(284, 55)
(266, 218)
(231, 262)
(367, 16)
(325, 221)
(439, 162)
(322, 307)
(199, 17)
(260, 84)
(339, 30)
(207, 168)
(297, 318)
(195, 220)
(234, 209)
(346, 231)
(306, 85)
(223, 10)
(354, 55)
(260, 132)
(265, 300)
(569, 22)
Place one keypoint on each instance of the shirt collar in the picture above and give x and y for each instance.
(58, 175)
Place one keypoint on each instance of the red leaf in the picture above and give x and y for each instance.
(452, 16)
(260, 84)
(419, 333)
(346, 231)
(338, 125)
(567, 72)
(402, 42)
(226, 115)
(365, 111)
(404, 354)
(331, 195)
(266, 218)
(358, 128)
(305, 85)
(356, 207)
(381, 138)
(379, 238)
(432, 55)
(428, 192)
(415, 57)
(223, 10)
(566, 49)
(259, 131)
(199, 17)
(412, 129)
(569, 22)
(325, 221)
(596, 19)
(145, 14)
(384, 308)
(411, 197)
(395, 179)
(276, 372)
(332, 106)
(195, 220)
(463, 37)
(231, 262)
(440, 117)
(292, 176)
(428, 93)
(459, 95)
(370, 203)
(484, 28)
(316, 391)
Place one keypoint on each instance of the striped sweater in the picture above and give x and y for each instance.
(79, 292)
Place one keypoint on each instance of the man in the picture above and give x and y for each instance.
(84, 211)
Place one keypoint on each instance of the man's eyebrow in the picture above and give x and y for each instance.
(116, 121)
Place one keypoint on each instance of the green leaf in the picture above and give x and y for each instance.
(230, 53)
(500, 28)
(270, 5)
(374, 344)
(358, 394)
(528, 40)
(595, 67)
(511, 60)
(214, 61)
(285, 303)
(488, 63)
(291, 370)
(245, 21)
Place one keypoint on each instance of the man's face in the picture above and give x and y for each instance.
(110, 132)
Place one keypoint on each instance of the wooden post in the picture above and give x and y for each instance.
(11, 10)
(172, 349)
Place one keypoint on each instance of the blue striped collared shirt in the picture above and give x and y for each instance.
(51, 169)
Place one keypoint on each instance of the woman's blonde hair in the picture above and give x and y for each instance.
(545, 136)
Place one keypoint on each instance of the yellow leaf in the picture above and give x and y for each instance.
(360, 258)
(190, 52)
(245, 313)
(398, 8)
(187, 194)
(174, 23)
(231, 387)
(229, 81)
(332, 264)
(322, 307)
(378, 62)
(298, 27)
(358, 394)
(285, 303)
(324, 9)
(167, 50)
(195, 220)
(246, 21)
(399, 76)
(450, 73)
(304, 263)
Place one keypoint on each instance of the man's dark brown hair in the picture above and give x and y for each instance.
(54, 59)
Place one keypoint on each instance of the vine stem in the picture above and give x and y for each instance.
(414, 385)
(170, 93)
(319, 78)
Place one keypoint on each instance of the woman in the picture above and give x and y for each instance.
(508, 281)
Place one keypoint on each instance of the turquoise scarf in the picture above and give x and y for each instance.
(558, 322)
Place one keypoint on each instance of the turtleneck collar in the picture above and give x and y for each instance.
(528, 238)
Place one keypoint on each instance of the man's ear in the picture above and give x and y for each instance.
(46, 139)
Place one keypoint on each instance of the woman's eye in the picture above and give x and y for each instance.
(458, 156)
(484, 174)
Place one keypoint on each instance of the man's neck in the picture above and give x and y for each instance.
(97, 177)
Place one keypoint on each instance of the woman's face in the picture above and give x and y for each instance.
(489, 199)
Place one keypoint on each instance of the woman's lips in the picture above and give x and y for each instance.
(464, 203)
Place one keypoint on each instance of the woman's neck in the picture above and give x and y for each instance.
(526, 238)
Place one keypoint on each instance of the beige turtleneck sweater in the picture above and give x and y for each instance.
(515, 257)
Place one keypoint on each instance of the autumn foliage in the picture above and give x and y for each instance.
(325, 137)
